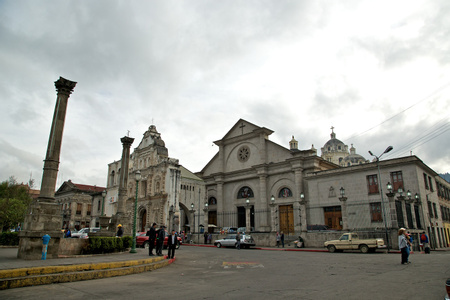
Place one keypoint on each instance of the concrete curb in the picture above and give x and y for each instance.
(15, 278)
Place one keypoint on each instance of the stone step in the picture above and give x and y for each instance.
(15, 278)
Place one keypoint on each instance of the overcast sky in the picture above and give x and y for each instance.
(378, 71)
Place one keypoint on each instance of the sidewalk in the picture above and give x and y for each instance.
(9, 260)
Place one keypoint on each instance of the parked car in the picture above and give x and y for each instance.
(351, 241)
(230, 241)
(142, 240)
(83, 233)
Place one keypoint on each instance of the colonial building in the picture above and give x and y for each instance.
(405, 192)
(255, 183)
(165, 191)
(78, 204)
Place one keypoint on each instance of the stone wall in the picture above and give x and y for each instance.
(71, 246)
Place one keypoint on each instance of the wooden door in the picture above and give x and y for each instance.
(333, 217)
(286, 219)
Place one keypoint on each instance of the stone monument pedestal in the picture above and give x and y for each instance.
(44, 218)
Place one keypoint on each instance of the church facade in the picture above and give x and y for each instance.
(165, 191)
(257, 184)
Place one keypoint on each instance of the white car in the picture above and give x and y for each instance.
(83, 232)
(230, 241)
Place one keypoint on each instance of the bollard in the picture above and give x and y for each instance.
(45, 240)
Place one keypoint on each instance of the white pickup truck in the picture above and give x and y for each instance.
(350, 241)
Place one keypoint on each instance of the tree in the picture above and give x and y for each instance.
(14, 202)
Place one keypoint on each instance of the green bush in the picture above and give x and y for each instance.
(9, 238)
(99, 245)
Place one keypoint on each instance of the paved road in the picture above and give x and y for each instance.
(207, 273)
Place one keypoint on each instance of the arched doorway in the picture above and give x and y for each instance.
(142, 220)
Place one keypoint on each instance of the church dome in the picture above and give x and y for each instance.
(334, 145)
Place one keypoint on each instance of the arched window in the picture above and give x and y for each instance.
(284, 193)
(245, 192)
(111, 180)
(212, 201)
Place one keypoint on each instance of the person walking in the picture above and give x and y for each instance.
(278, 239)
(403, 245)
(282, 239)
(425, 242)
(151, 233)
(205, 237)
(119, 231)
(238, 241)
(161, 234)
(172, 242)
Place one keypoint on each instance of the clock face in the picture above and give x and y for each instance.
(243, 153)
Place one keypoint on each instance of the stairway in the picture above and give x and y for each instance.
(15, 278)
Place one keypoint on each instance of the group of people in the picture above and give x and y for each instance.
(156, 240)
(280, 239)
(208, 237)
(405, 242)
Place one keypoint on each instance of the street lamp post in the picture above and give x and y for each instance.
(343, 200)
(137, 177)
(381, 191)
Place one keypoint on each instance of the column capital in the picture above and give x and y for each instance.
(64, 86)
(127, 141)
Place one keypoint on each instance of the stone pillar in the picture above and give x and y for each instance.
(392, 210)
(273, 216)
(220, 199)
(64, 88)
(304, 225)
(122, 197)
(45, 215)
(297, 216)
(263, 222)
(344, 213)
(247, 218)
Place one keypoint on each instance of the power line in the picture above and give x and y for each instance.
(401, 112)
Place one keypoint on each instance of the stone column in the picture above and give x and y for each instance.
(273, 216)
(64, 88)
(45, 215)
(220, 199)
(247, 218)
(263, 226)
(122, 197)
(304, 225)
(392, 210)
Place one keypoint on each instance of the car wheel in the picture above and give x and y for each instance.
(146, 245)
(218, 245)
(364, 248)
(331, 248)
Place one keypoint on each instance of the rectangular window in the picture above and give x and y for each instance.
(79, 205)
(426, 181)
(89, 209)
(399, 209)
(99, 205)
(435, 211)
(417, 213)
(372, 183)
(430, 209)
(409, 215)
(431, 184)
(375, 212)
(397, 180)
